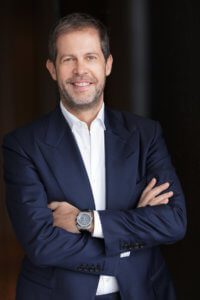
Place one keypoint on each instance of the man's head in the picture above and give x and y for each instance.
(79, 61)
(74, 22)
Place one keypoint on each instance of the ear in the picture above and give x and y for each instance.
(51, 68)
(109, 63)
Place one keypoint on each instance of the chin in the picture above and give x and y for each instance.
(84, 105)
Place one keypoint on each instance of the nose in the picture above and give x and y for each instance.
(80, 68)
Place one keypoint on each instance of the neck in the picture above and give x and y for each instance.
(85, 115)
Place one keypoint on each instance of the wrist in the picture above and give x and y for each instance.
(85, 221)
(91, 229)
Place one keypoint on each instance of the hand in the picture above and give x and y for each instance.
(64, 216)
(152, 195)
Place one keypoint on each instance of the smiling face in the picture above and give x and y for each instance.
(80, 69)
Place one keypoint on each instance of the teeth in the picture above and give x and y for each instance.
(81, 83)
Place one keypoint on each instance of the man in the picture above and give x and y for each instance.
(91, 192)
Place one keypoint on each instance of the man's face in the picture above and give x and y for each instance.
(80, 69)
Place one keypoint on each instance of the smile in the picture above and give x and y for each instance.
(81, 84)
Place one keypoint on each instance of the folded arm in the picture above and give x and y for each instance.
(32, 220)
(160, 216)
(65, 214)
(148, 225)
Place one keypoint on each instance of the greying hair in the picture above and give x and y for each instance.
(78, 21)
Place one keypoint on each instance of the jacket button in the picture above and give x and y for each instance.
(123, 245)
(126, 246)
(98, 269)
(86, 268)
(80, 268)
(92, 268)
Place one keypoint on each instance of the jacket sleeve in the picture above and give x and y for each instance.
(32, 220)
(151, 225)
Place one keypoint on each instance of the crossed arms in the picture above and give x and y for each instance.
(64, 214)
(48, 237)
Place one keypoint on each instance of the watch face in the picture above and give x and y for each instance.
(84, 219)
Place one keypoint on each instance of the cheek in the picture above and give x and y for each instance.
(64, 74)
(99, 72)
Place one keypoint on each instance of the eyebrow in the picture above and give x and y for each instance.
(92, 53)
(72, 55)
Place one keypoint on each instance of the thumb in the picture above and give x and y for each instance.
(53, 205)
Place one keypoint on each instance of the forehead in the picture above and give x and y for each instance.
(86, 39)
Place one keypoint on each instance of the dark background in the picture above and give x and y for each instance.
(156, 52)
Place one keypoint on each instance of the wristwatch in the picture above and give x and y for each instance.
(84, 220)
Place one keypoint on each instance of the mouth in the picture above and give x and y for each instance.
(81, 86)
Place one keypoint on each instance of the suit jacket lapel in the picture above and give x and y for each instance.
(64, 159)
(121, 146)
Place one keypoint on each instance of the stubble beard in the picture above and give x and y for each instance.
(84, 104)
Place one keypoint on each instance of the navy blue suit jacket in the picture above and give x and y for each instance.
(42, 163)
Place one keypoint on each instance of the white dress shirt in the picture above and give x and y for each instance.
(91, 143)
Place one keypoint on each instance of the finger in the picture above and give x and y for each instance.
(164, 198)
(164, 201)
(157, 190)
(53, 205)
(150, 186)
(150, 200)
(152, 194)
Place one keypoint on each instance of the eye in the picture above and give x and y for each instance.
(68, 59)
(91, 57)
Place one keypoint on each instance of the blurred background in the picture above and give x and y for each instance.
(156, 49)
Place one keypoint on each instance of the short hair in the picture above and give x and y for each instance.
(77, 21)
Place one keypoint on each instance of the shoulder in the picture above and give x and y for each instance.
(131, 121)
(30, 132)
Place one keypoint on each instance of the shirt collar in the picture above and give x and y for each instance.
(74, 121)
